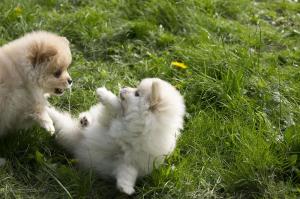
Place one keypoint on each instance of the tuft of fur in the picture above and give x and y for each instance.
(124, 137)
(31, 67)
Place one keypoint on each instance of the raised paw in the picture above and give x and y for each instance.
(105, 95)
(48, 125)
(84, 122)
(102, 92)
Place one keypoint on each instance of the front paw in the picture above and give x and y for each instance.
(125, 188)
(48, 125)
(104, 94)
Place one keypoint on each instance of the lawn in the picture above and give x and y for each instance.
(241, 87)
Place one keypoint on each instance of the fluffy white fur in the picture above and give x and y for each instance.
(31, 67)
(124, 137)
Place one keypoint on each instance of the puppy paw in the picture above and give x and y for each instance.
(102, 92)
(48, 125)
(85, 119)
(84, 122)
(105, 95)
(129, 190)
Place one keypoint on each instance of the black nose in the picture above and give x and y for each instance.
(70, 81)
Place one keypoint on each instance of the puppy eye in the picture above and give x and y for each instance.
(57, 73)
(137, 94)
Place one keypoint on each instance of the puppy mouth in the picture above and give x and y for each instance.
(58, 91)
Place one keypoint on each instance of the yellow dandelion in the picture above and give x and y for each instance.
(178, 64)
(18, 10)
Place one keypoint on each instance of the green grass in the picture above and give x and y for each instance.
(242, 91)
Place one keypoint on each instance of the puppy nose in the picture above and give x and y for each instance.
(70, 81)
(123, 93)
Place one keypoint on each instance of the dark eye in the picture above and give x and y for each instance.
(137, 94)
(57, 73)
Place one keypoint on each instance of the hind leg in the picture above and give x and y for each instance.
(126, 176)
(85, 119)
(89, 117)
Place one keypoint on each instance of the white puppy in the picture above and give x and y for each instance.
(124, 138)
(30, 67)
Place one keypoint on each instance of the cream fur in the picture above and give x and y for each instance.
(124, 137)
(27, 67)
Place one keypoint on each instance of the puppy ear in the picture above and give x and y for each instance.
(66, 40)
(41, 53)
(155, 96)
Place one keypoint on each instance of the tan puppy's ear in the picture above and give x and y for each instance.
(41, 53)
(66, 40)
(155, 96)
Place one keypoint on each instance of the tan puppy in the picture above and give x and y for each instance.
(30, 68)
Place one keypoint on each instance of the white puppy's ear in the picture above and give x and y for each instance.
(155, 95)
(41, 52)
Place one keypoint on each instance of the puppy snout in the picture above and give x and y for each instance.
(123, 92)
(70, 81)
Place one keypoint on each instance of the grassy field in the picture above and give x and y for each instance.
(241, 86)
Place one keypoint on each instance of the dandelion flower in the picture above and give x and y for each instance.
(178, 64)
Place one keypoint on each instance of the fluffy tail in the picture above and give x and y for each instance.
(68, 131)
